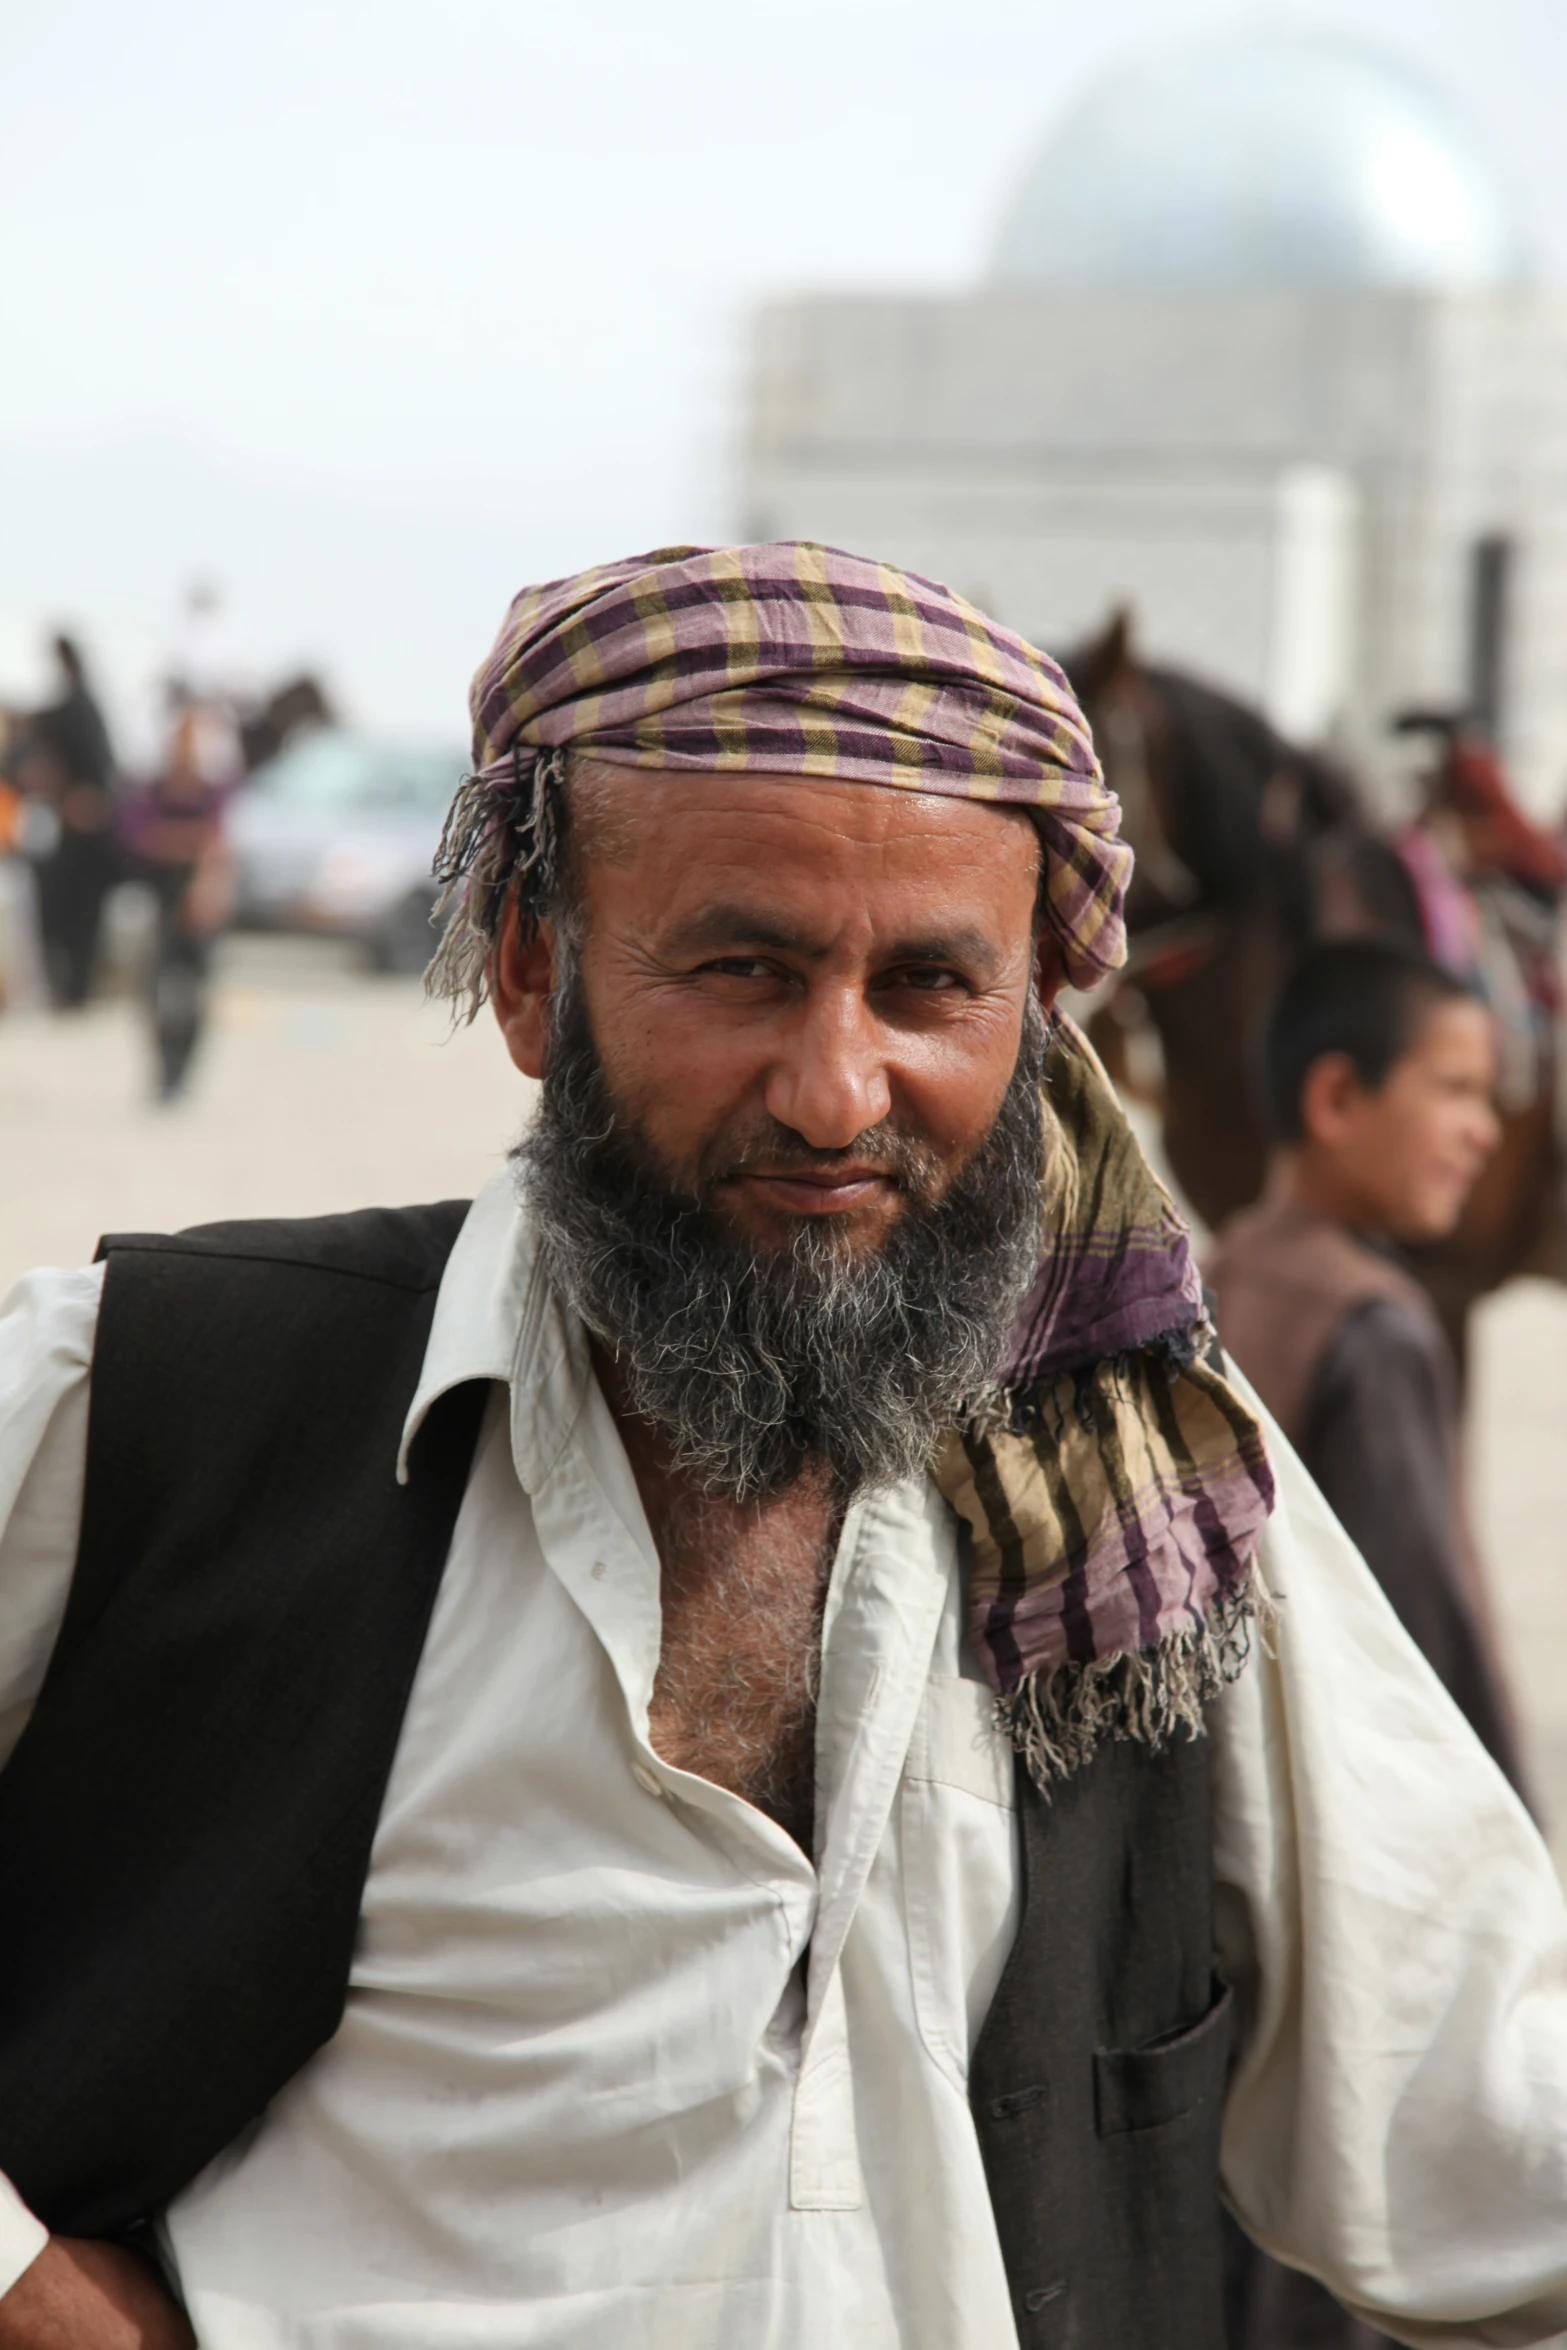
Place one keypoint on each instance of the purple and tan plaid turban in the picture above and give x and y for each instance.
(796, 659)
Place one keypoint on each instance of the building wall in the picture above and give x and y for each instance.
(1263, 477)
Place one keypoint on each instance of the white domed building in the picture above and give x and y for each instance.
(1259, 356)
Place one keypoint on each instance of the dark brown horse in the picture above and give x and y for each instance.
(1247, 849)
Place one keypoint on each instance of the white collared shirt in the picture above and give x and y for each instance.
(618, 2063)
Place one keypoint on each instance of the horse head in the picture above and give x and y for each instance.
(1227, 820)
(1237, 837)
(1132, 734)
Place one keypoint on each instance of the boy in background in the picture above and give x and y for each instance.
(1379, 1068)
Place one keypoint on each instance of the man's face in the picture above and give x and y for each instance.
(1412, 1149)
(807, 997)
(787, 1160)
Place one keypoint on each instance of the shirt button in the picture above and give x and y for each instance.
(646, 1780)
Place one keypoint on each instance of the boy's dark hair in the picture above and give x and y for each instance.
(1363, 997)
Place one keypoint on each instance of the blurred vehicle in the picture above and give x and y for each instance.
(337, 834)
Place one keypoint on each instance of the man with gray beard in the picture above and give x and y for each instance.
(675, 1756)
(763, 1386)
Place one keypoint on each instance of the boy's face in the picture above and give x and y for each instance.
(1405, 1157)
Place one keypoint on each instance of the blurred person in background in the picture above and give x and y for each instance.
(18, 916)
(64, 763)
(174, 833)
(1379, 1069)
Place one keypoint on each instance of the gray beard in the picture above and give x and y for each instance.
(760, 1364)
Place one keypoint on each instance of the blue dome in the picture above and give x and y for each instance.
(1262, 158)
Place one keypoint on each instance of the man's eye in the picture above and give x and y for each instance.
(929, 980)
(739, 967)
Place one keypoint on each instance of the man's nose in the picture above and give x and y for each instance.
(829, 1082)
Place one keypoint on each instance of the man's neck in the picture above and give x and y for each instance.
(742, 1586)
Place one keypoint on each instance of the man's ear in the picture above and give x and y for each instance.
(1049, 970)
(522, 981)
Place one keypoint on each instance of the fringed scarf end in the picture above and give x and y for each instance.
(498, 831)
(1058, 1720)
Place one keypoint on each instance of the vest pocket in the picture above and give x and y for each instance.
(1143, 2088)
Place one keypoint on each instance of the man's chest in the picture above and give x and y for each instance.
(734, 1697)
(530, 1865)
(563, 1823)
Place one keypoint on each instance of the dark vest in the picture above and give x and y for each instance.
(186, 1823)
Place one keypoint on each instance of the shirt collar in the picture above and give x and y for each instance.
(497, 1310)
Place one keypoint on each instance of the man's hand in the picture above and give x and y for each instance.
(81, 2295)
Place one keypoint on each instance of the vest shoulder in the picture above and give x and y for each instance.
(1284, 1283)
(404, 1248)
(1282, 1252)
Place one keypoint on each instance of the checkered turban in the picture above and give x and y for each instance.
(785, 659)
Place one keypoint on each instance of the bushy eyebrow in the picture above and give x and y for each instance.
(720, 928)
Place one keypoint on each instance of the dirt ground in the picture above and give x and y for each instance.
(323, 1089)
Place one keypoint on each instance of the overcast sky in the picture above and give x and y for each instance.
(373, 309)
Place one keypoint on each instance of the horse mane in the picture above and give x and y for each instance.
(1265, 824)
(1242, 795)
(1257, 821)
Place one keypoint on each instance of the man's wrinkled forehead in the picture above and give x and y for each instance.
(613, 812)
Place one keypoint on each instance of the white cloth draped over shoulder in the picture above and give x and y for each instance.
(619, 2063)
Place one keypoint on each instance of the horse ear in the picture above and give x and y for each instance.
(1118, 639)
(1095, 666)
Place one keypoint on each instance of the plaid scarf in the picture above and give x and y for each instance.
(1113, 1505)
(1114, 1498)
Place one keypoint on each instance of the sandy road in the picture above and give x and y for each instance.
(321, 1090)
(317, 1089)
